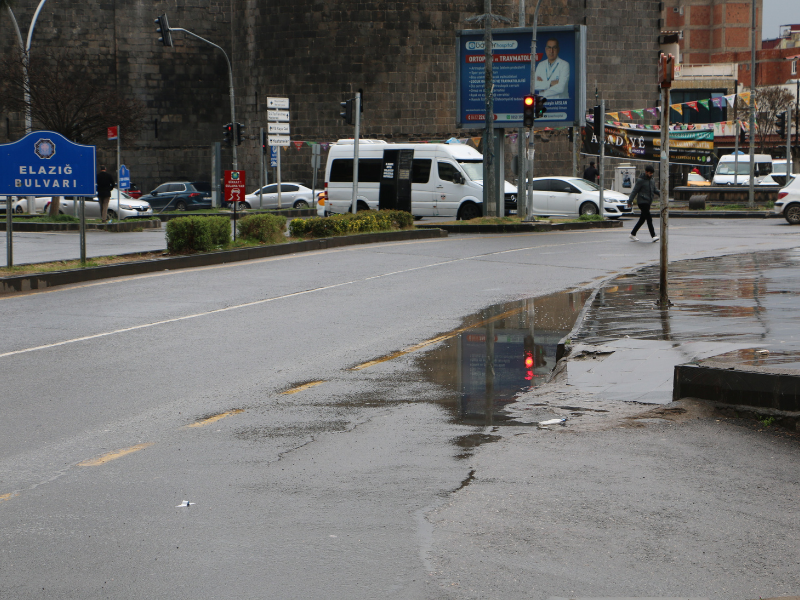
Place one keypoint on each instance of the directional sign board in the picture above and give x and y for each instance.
(45, 163)
(278, 128)
(278, 115)
(277, 103)
(273, 156)
(234, 186)
(124, 178)
(279, 140)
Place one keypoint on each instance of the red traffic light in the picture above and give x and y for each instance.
(528, 107)
(529, 101)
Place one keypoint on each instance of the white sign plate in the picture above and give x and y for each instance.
(278, 115)
(278, 128)
(279, 140)
(277, 103)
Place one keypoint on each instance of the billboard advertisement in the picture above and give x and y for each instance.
(685, 147)
(560, 75)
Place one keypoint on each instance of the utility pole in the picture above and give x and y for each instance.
(602, 141)
(531, 149)
(522, 170)
(737, 128)
(666, 73)
(489, 193)
(751, 198)
(788, 142)
(357, 109)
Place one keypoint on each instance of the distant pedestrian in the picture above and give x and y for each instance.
(590, 173)
(643, 191)
(105, 183)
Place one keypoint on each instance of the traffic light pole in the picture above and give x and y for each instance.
(788, 142)
(663, 296)
(751, 197)
(531, 149)
(602, 141)
(230, 86)
(261, 172)
(357, 108)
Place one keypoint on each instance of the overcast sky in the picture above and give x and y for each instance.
(779, 12)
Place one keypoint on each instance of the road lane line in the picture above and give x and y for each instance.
(93, 462)
(215, 418)
(300, 388)
(275, 298)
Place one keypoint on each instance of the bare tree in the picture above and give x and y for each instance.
(769, 101)
(65, 96)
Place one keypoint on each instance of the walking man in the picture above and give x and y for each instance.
(590, 173)
(105, 183)
(643, 191)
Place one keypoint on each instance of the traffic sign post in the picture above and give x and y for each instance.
(235, 183)
(278, 115)
(124, 178)
(315, 162)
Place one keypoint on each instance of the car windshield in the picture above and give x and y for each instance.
(584, 185)
(473, 169)
(202, 186)
(730, 168)
(779, 168)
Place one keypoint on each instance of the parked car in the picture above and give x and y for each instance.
(123, 207)
(788, 202)
(731, 171)
(293, 195)
(572, 196)
(180, 195)
(779, 171)
(19, 204)
(694, 179)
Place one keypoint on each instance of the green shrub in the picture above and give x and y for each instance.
(266, 228)
(591, 218)
(348, 223)
(198, 234)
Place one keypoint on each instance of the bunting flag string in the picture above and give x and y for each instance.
(693, 105)
(746, 97)
(704, 104)
(627, 113)
(677, 108)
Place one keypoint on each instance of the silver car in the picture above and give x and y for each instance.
(121, 206)
(293, 195)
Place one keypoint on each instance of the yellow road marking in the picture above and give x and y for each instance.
(216, 418)
(7, 496)
(93, 462)
(300, 388)
(435, 340)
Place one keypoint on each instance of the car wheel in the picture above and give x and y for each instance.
(303, 204)
(468, 211)
(416, 218)
(792, 214)
(19, 210)
(243, 206)
(361, 206)
(588, 208)
(180, 205)
(111, 214)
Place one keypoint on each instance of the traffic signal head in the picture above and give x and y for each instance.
(780, 124)
(264, 144)
(227, 134)
(162, 27)
(347, 111)
(239, 134)
(598, 122)
(540, 107)
(528, 107)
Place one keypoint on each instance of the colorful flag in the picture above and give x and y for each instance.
(653, 111)
(614, 115)
(639, 113)
(325, 145)
(731, 100)
(677, 107)
(298, 145)
(704, 104)
(627, 113)
(512, 137)
(693, 105)
(746, 97)
(717, 101)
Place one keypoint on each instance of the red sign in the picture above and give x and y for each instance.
(112, 133)
(234, 186)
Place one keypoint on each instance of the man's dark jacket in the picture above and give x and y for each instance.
(590, 174)
(644, 189)
(105, 183)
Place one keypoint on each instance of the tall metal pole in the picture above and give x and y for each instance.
(9, 234)
(261, 171)
(736, 143)
(531, 149)
(119, 162)
(788, 143)
(602, 141)
(522, 207)
(489, 207)
(83, 230)
(357, 108)
(751, 198)
(663, 296)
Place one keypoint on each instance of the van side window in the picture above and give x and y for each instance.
(448, 172)
(421, 170)
(369, 170)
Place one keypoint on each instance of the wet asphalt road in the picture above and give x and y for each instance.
(334, 491)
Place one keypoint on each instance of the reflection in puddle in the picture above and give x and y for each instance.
(511, 349)
(755, 357)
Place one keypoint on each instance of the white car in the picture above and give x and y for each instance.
(788, 202)
(293, 195)
(125, 209)
(572, 197)
(19, 204)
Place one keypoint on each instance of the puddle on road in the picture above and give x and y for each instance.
(754, 357)
(511, 351)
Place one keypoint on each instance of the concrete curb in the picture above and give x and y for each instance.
(41, 281)
(713, 214)
(522, 227)
(291, 213)
(116, 226)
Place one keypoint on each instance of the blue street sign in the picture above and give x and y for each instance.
(273, 156)
(45, 163)
(124, 178)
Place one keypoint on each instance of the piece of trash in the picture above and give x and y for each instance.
(185, 504)
(762, 351)
(560, 421)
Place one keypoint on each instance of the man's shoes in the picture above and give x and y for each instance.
(634, 238)
(655, 239)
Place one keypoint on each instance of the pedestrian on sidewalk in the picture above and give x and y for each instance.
(105, 183)
(643, 191)
(590, 173)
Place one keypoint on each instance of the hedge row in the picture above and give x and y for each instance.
(362, 222)
(198, 234)
(264, 228)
